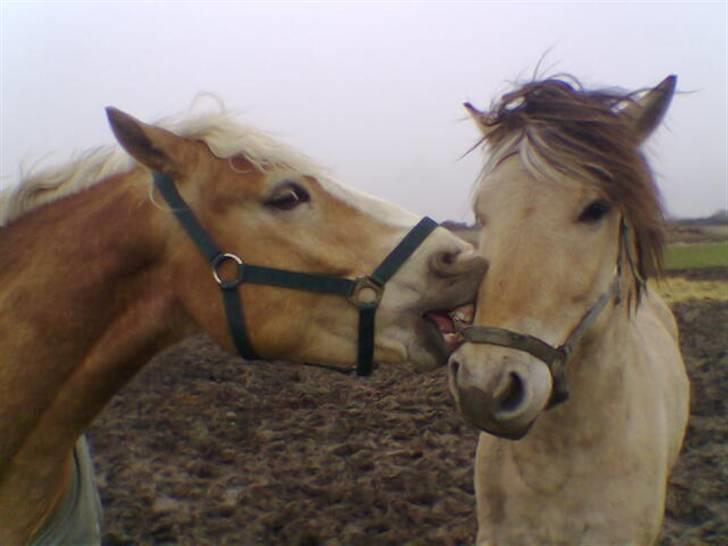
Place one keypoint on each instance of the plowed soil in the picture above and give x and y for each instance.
(202, 448)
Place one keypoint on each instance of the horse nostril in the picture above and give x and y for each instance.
(448, 258)
(459, 262)
(512, 395)
(445, 263)
(454, 368)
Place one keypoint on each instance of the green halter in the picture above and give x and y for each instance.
(364, 292)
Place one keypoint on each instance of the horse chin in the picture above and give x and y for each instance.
(430, 346)
(428, 350)
(507, 434)
(488, 426)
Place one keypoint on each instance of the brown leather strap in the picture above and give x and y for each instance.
(507, 338)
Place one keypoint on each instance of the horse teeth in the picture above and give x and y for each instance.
(463, 314)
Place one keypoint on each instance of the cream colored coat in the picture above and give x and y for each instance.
(568, 205)
(594, 470)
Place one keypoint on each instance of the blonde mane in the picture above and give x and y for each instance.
(222, 134)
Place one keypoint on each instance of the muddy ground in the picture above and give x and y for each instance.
(202, 449)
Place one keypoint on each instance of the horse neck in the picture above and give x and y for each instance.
(86, 301)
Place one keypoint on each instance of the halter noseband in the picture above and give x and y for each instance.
(365, 293)
(555, 358)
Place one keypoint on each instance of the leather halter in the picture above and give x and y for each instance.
(555, 358)
(365, 293)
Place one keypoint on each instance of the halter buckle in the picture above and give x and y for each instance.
(217, 262)
(366, 292)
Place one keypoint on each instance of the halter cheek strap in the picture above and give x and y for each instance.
(364, 292)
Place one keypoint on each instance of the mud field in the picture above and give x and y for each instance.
(202, 449)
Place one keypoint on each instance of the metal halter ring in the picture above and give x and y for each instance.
(366, 292)
(220, 259)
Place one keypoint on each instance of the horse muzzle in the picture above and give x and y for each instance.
(502, 397)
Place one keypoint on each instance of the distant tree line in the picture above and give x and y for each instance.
(717, 219)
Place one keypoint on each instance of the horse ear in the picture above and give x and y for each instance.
(479, 118)
(647, 111)
(152, 146)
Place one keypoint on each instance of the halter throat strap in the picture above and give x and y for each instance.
(365, 293)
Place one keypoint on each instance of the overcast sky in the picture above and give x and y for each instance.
(371, 90)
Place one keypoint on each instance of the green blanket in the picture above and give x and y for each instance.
(77, 521)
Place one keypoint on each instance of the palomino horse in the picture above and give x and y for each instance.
(572, 228)
(101, 268)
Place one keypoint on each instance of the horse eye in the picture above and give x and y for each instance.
(288, 197)
(594, 212)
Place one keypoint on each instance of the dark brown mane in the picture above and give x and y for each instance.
(582, 134)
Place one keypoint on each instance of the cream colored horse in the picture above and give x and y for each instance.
(97, 275)
(572, 227)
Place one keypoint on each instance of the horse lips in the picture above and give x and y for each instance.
(444, 322)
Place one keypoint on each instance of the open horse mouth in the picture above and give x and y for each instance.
(444, 322)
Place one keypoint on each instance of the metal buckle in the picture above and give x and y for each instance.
(366, 292)
(218, 261)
